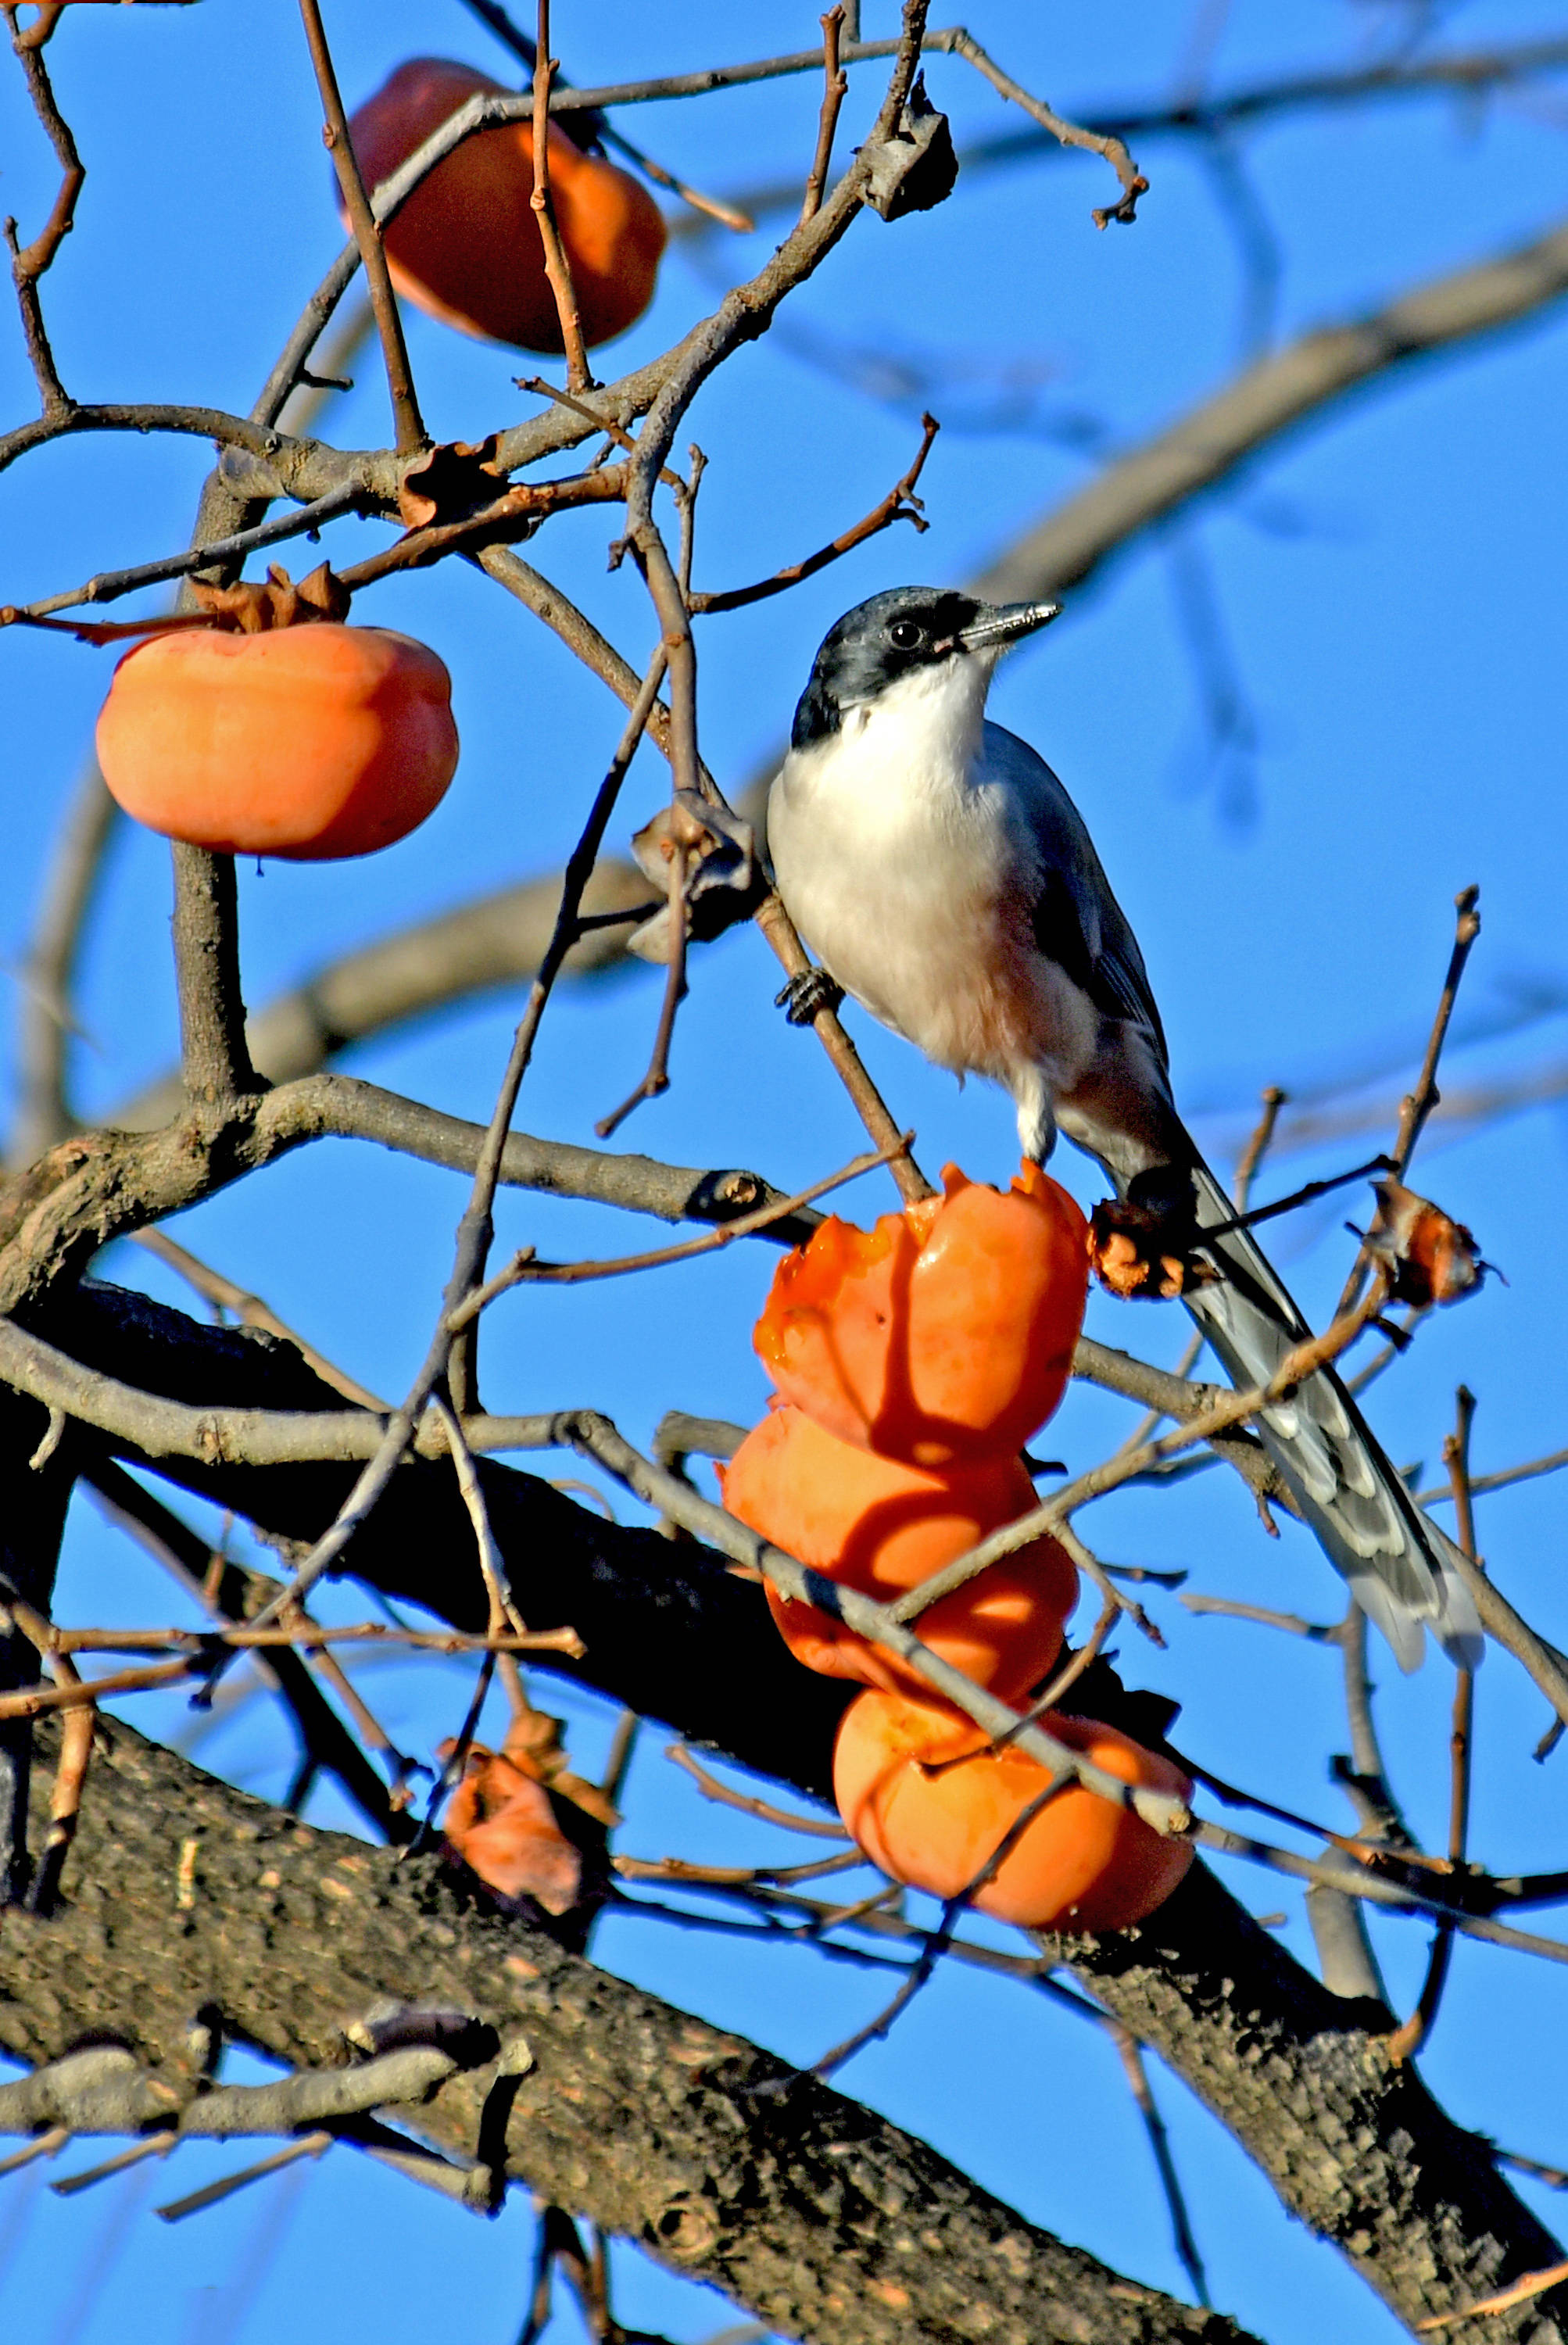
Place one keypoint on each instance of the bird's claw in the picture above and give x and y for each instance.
(808, 993)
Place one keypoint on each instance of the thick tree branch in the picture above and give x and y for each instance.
(824, 2220)
(215, 1064)
(1355, 2147)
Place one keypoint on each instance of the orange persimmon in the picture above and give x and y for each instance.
(305, 741)
(945, 1332)
(875, 1525)
(466, 246)
(926, 1798)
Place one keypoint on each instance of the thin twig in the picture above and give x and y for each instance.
(1224, 1608)
(513, 37)
(1418, 1105)
(411, 434)
(524, 1270)
(29, 262)
(1407, 2040)
(900, 503)
(712, 1788)
(780, 932)
(557, 266)
(252, 1311)
(656, 1079)
(732, 1876)
(1071, 134)
(1257, 1146)
(492, 1564)
(836, 90)
(1130, 2053)
(1533, 2284)
(1552, 1464)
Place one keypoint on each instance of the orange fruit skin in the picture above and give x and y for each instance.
(946, 1332)
(466, 246)
(502, 1825)
(875, 1525)
(309, 742)
(1083, 1863)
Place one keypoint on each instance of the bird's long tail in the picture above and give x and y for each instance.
(1398, 1562)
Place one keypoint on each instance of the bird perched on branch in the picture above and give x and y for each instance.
(944, 878)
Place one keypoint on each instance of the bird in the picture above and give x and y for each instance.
(943, 877)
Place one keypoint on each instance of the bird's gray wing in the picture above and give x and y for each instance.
(1077, 918)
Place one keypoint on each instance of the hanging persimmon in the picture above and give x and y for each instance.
(945, 1332)
(928, 1799)
(875, 1525)
(466, 246)
(308, 741)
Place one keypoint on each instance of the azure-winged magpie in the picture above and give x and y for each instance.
(945, 878)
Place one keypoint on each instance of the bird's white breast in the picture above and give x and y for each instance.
(903, 867)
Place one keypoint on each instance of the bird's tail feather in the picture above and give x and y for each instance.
(1397, 1563)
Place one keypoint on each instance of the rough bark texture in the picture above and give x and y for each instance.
(823, 2219)
(1355, 2147)
(1354, 2144)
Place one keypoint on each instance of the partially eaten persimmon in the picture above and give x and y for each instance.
(926, 1797)
(876, 1525)
(946, 1332)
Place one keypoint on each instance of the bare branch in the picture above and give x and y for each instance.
(900, 503)
(214, 1062)
(29, 262)
(833, 96)
(1069, 134)
(688, 2093)
(410, 424)
(557, 267)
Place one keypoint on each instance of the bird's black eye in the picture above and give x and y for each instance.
(906, 634)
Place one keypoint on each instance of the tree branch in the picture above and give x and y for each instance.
(1360, 2151)
(821, 2218)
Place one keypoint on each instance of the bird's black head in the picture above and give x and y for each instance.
(906, 628)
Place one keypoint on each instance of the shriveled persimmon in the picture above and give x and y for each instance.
(930, 1802)
(501, 1823)
(466, 246)
(307, 742)
(944, 1331)
(875, 1525)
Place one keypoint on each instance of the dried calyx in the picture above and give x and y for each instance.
(255, 607)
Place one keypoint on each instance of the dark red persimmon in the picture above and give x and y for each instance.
(466, 246)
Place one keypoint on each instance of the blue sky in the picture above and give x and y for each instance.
(1388, 594)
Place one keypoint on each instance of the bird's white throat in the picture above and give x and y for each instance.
(920, 736)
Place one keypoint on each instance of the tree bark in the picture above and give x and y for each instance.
(1355, 2147)
(821, 2218)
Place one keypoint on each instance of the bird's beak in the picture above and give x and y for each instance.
(1006, 623)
